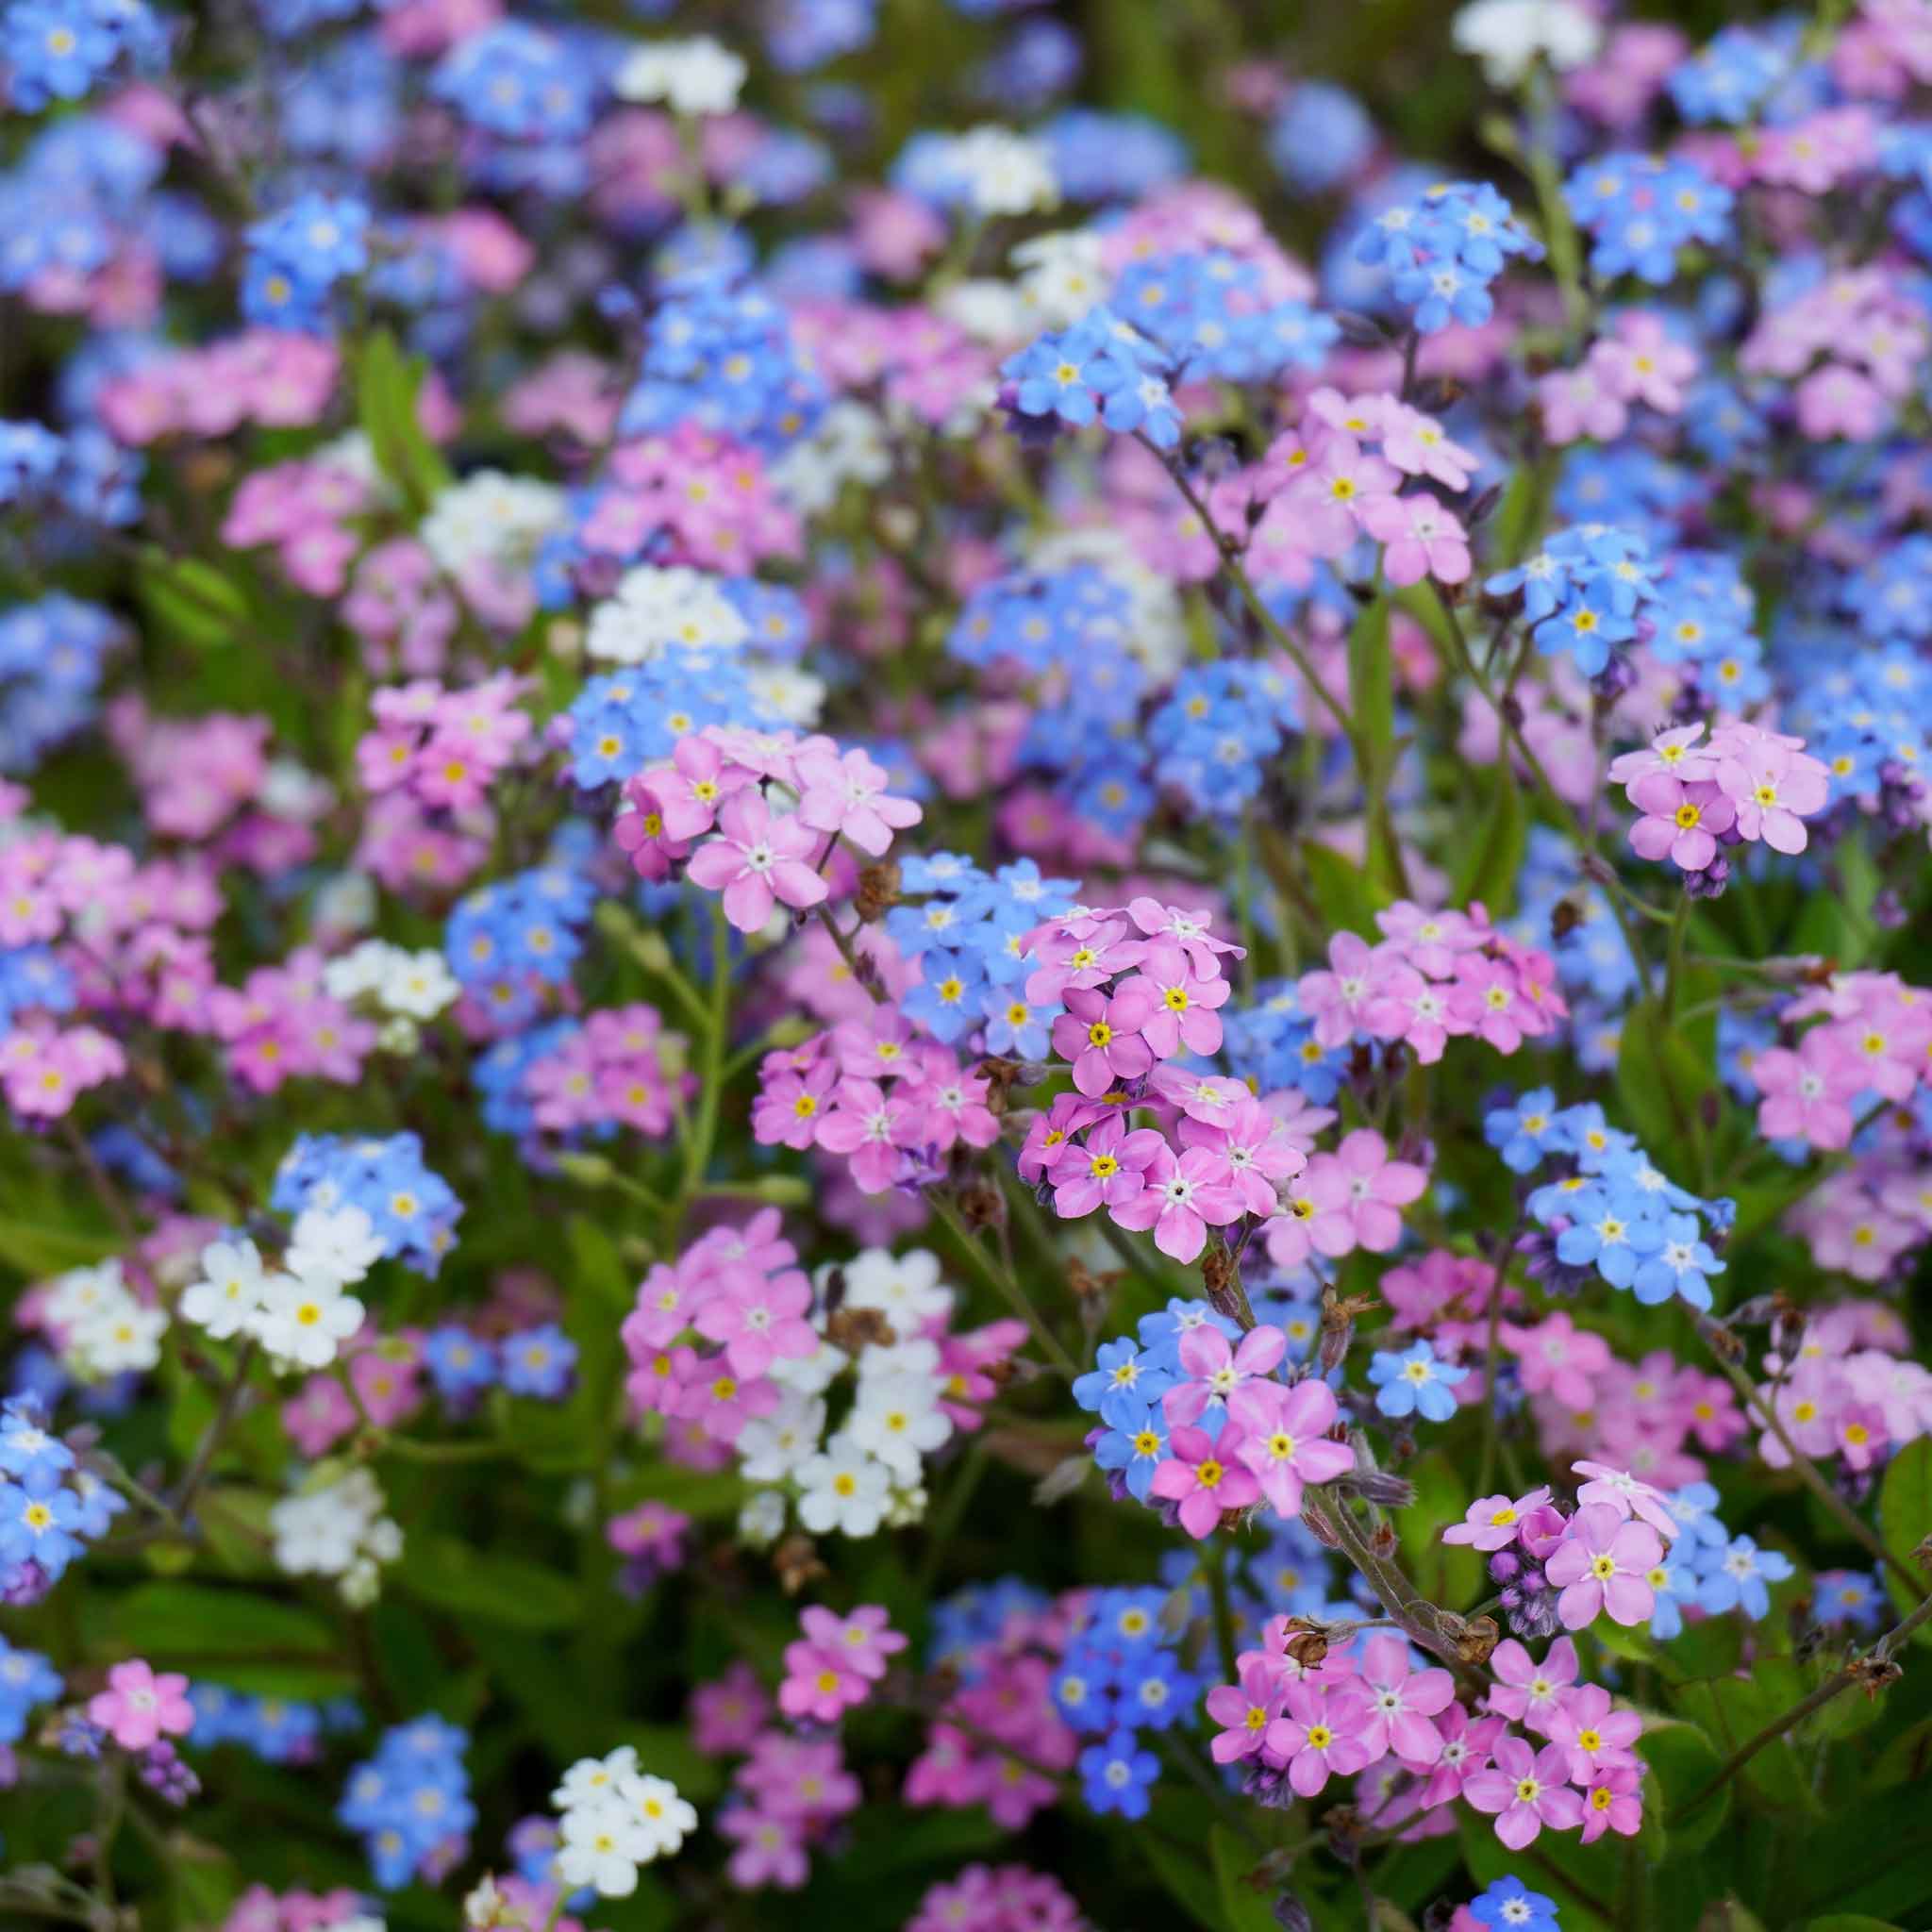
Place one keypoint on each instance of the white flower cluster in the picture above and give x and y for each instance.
(491, 517)
(660, 608)
(302, 1312)
(338, 1528)
(404, 988)
(693, 76)
(1002, 173)
(867, 1474)
(615, 1818)
(847, 445)
(106, 1330)
(1061, 276)
(1508, 36)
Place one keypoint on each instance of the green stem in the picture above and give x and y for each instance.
(1008, 1283)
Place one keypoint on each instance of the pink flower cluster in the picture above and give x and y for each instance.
(1874, 339)
(710, 809)
(1636, 362)
(690, 496)
(138, 1708)
(1433, 976)
(445, 748)
(1272, 1438)
(919, 361)
(997, 1898)
(1850, 1390)
(1641, 1417)
(279, 378)
(888, 1104)
(1365, 1705)
(304, 509)
(258, 1909)
(399, 604)
(620, 1067)
(1746, 784)
(837, 1664)
(792, 1791)
(281, 1024)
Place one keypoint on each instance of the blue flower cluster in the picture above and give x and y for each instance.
(1582, 592)
(84, 472)
(63, 49)
(278, 1730)
(1100, 369)
(1219, 728)
(1442, 252)
(1044, 620)
(33, 979)
(512, 939)
(1639, 210)
(1125, 1388)
(26, 1679)
(720, 354)
(1709, 1567)
(50, 1507)
(411, 1802)
(1728, 78)
(1613, 1211)
(969, 935)
(412, 1210)
(1102, 157)
(517, 82)
(624, 720)
(1272, 1041)
(537, 1362)
(297, 258)
(1207, 311)
(969, 1621)
(1122, 1674)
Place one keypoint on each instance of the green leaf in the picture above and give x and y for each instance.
(1348, 897)
(448, 1574)
(1661, 1078)
(39, 1252)
(1371, 689)
(1517, 517)
(191, 599)
(202, 1882)
(1242, 1908)
(1448, 1573)
(1850, 1922)
(1583, 1879)
(598, 1265)
(1489, 867)
(1683, 1762)
(387, 387)
(241, 1637)
(1733, 1710)
(1904, 1517)
(1187, 1880)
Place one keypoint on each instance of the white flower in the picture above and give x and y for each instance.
(1003, 172)
(1061, 276)
(771, 1447)
(116, 1336)
(663, 608)
(810, 1374)
(490, 516)
(917, 1357)
(761, 1519)
(71, 1298)
(847, 446)
(330, 1244)
(304, 1319)
(906, 1288)
(988, 310)
(601, 1845)
(419, 984)
(844, 1487)
(786, 692)
(231, 1290)
(1507, 35)
(664, 1819)
(590, 1780)
(694, 76)
(338, 1530)
(898, 1418)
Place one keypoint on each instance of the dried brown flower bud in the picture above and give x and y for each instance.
(796, 1560)
(853, 1330)
(878, 892)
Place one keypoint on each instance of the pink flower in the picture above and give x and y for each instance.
(1108, 1169)
(1613, 1802)
(1285, 1439)
(757, 861)
(1204, 1478)
(1808, 1094)
(1774, 786)
(1245, 1710)
(789, 1106)
(1354, 995)
(1358, 1191)
(1322, 1732)
(1184, 1014)
(1466, 1745)
(1525, 1790)
(1492, 1522)
(690, 789)
(728, 1714)
(1597, 1736)
(1671, 755)
(1557, 1355)
(1679, 820)
(770, 1850)
(138, 1706)
(1102, 1036)
(1216, 1370)
(758, 1319)
(1604, 1565)
(1400, 1703)
(1181, 1199)
(1254, 1152)
(1422, 539)
(1625, 1494)
(846, 794)
(1416, 444)
(1527, 1690)
(871, 1130)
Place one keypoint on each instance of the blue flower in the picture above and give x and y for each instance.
(1124, 1372)
(1133, 1446)
(1682, 1266)
(1586, 625)
(1414, 1383)
(1611, 1228)
(539, 1362)
(26, 1678)
(1510, 1907)
(1521, 1133)
(1118, 1774)
(1736, 1578)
